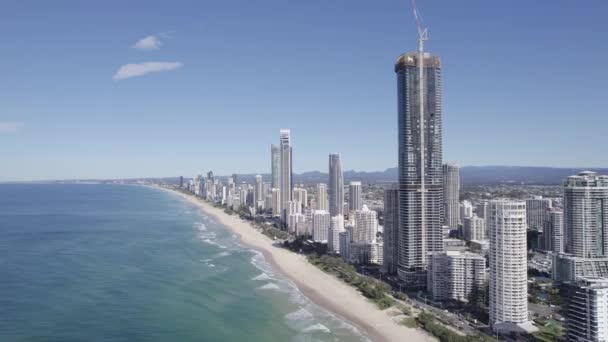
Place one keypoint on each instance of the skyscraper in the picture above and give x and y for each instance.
(354, 196)
(320, 225)
(336, 226)
(336, 186)
(420, 163)
(321, 197)
(508, 266)
(258, 194)
(585, 225)
(586, 215)
(390, 233)
(451, 195)
(366, 225)
(275, 162)
(553, 230)
(285, 171)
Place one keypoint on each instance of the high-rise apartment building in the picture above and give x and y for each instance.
(366, 225)
(275, 166)
(474, 228)
(536, 208)
(456, 275)
(391, 228)
(258, 192)
(355, 201)
(586, 215)
(321, 197)
(508, 266)
(320, 225)
(285, 170)
(276, 201)
(451, 195)
(420, 163)
(336, 227)
(553, 230)
(336, 186)
(586, 310)
(301, 195)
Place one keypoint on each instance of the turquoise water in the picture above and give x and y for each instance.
(93, 262)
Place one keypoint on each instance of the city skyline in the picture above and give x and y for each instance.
(46, 136)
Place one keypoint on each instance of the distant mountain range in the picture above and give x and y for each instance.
(470, 175)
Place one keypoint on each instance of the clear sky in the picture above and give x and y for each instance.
(212, 82)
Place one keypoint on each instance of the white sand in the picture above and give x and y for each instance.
(323, 289)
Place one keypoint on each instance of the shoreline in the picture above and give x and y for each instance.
(321, 288)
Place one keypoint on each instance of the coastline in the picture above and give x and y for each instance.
(321, 288)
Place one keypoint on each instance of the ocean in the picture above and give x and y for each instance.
(98, 262)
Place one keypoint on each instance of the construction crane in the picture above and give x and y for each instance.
(423, 32)
(423, 35)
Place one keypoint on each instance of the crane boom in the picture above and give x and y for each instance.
(423, 33)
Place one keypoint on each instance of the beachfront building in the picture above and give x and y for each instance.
(365, 253)
(474, 228)
(451, 195)
(508, 267)
(455, 275)
(536, 208)
(355, 201)
(390, 235)
(320, 225)
(336, 186)
(365, 225)
(276, 201)
(336, 227)
(295, 224)
(420, 164)
(586, 310)
(285, 171)
(258, 193)
(345, 241)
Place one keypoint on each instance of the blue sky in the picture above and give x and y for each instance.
(524, 84)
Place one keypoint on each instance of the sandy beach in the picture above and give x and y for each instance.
(323, 289)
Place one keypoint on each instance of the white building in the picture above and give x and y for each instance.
(586, 310)
(294, 221)
(365, 225)
(455, 275)
(336, 226)
(276, 201)
(553, 231)
(355, 201)
(466, 210)
(258, 193)
(301, 195)
(321, 197)
(320, 225)
(508, 267)
(474, 228)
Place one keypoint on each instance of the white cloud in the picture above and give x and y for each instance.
(10, 126)
(134, 70)
(148, 43)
